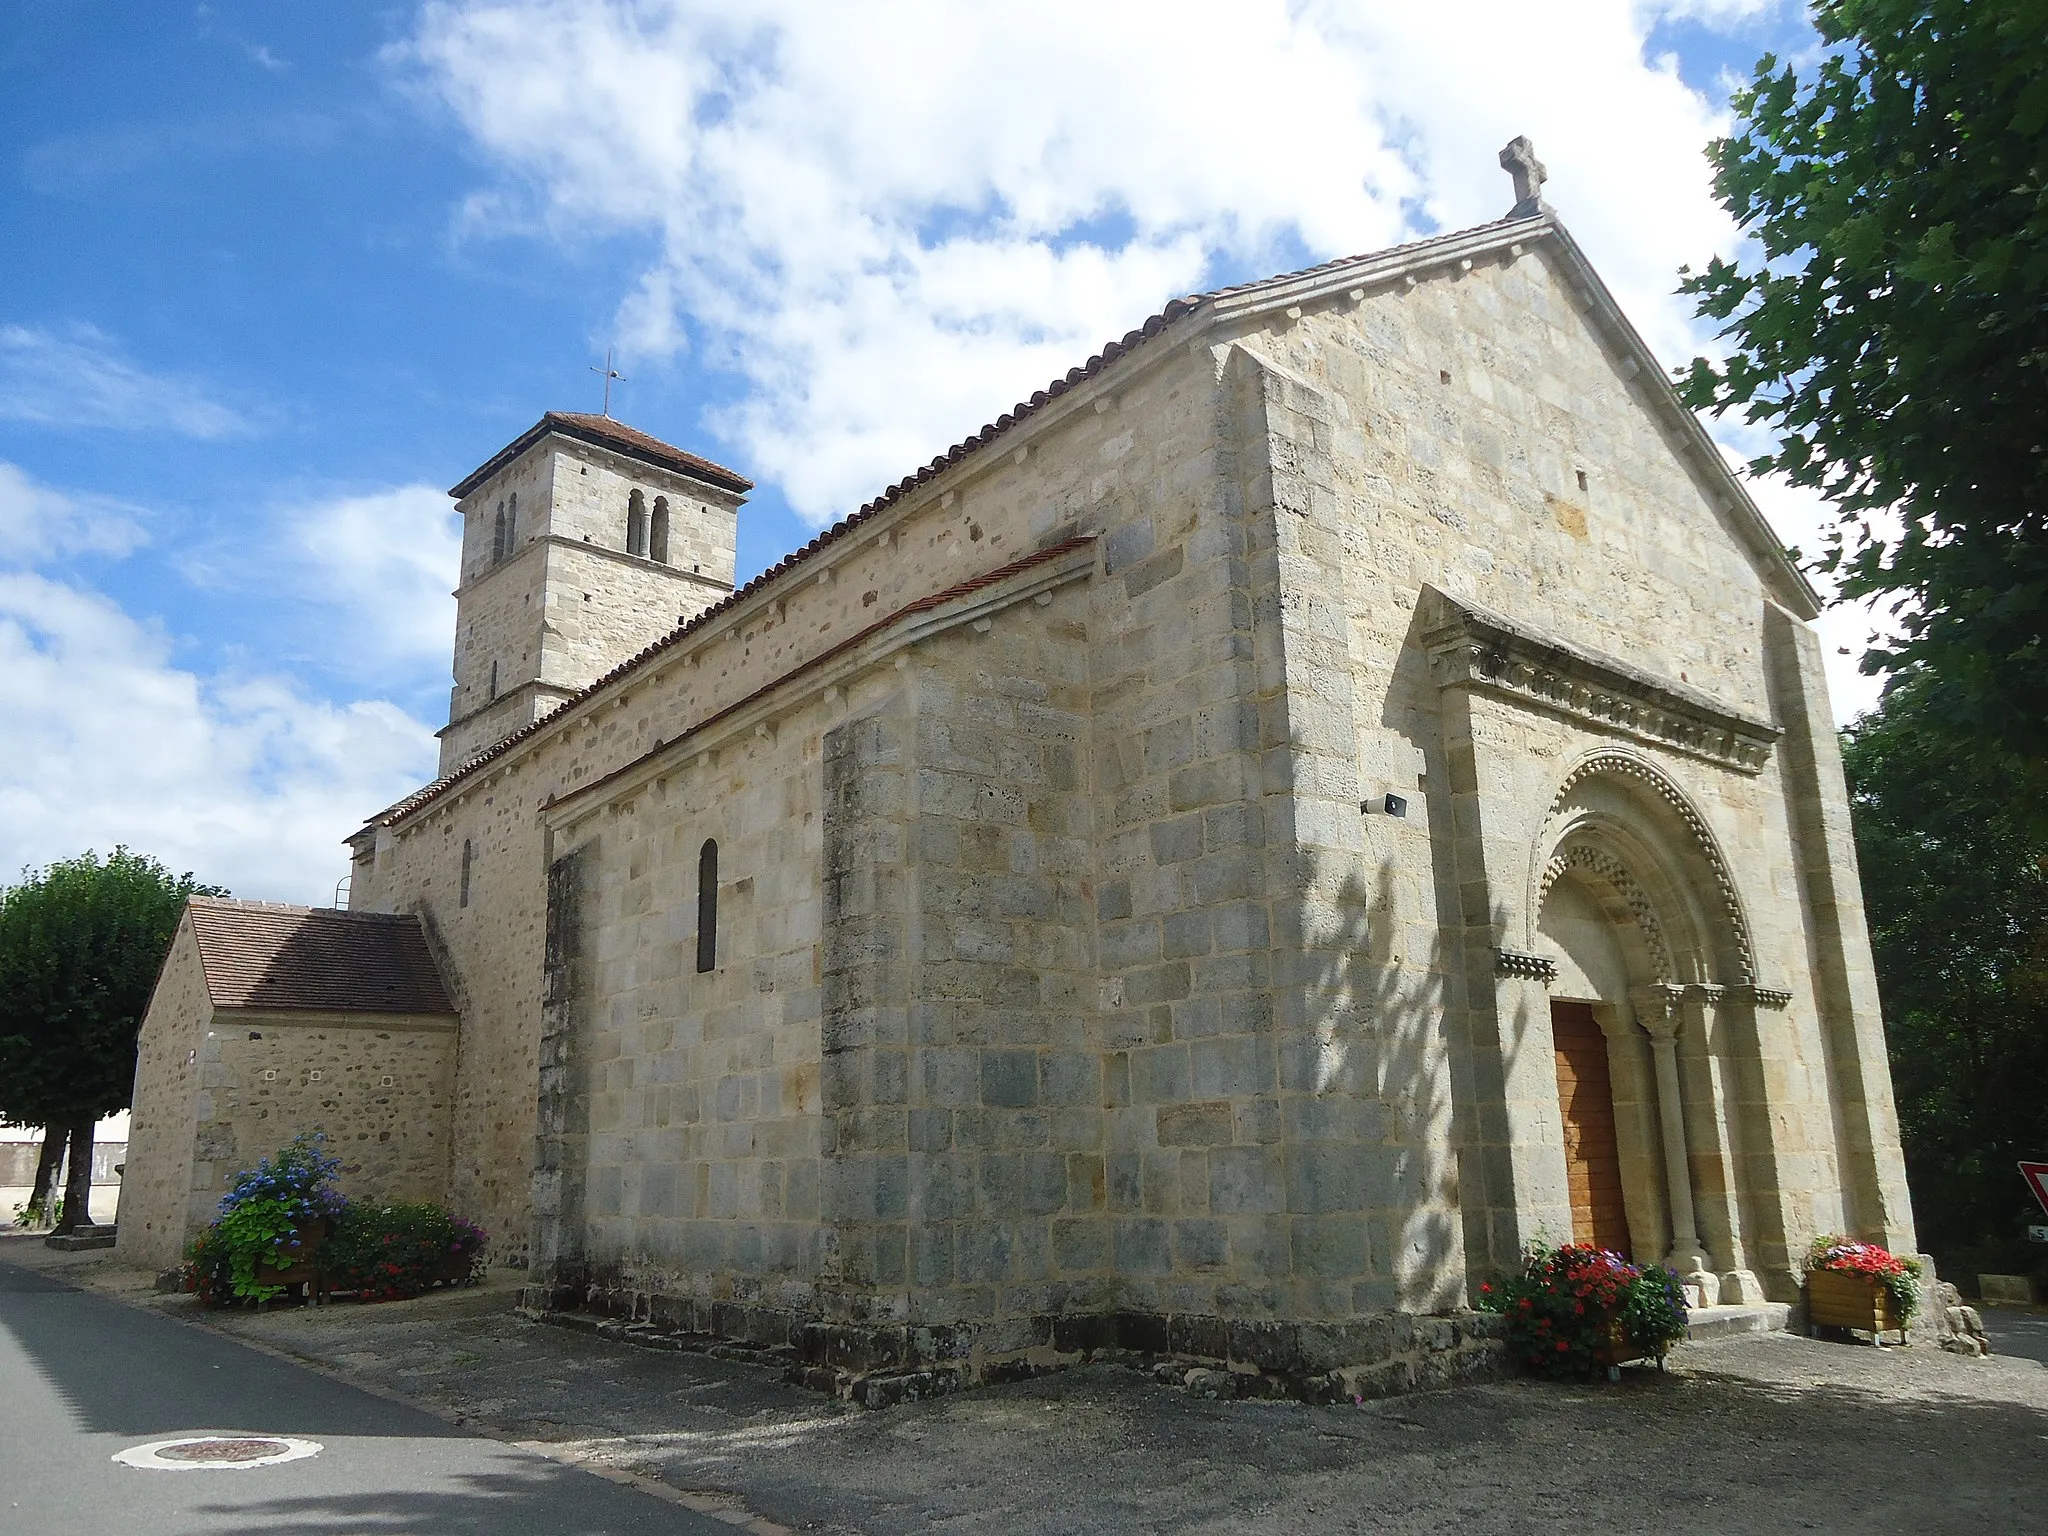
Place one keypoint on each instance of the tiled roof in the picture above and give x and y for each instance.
(265, 955)
(1110, 354)
(607, 433)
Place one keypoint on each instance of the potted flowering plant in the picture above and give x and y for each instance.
(1575, 1310)
(272, 1222)
(389, 1252)
(1860, 1286)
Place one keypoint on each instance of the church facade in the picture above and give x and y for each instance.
(1333, 790)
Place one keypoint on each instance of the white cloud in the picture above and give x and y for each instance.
(243, 780)
(39, 522)
(893, 221)
(1714, 13)
(383, 566)
(77, 377)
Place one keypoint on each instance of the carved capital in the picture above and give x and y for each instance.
(1660, 1009)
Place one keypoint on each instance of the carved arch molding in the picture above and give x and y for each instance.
(1610, 869)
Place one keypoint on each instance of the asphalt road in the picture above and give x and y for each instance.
(83, 1377)
(2021, 1332)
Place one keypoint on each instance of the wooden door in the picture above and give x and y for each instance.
(1591, 1153)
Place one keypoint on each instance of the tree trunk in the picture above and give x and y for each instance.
(46, 1174)
(78, 1179)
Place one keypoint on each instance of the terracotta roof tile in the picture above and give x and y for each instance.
(608, 433)
(264, 955)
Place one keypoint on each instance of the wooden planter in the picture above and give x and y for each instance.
(453, 1270)
(1620, 1349)
(301, 1272)
(1838, 1300)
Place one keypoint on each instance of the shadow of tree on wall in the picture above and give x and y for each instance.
(1366, 997)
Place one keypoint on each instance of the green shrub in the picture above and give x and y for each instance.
(385, 1252)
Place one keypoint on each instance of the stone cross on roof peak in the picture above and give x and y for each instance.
(1519, 160)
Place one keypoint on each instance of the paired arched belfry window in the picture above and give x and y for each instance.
(636, 524)
(505, 531)
(657, 537)
(707, 906)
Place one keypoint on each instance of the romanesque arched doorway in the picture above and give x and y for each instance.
(1635, 909)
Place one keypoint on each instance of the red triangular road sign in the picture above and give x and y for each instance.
(2036, 1175)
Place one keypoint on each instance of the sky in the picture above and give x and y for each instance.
(272, 278)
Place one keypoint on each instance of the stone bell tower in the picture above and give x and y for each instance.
(583, 541)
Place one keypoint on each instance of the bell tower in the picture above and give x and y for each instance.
(583, 541)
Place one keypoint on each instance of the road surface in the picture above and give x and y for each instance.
(83, 1378)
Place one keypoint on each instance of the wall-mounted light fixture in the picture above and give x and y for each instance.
(1387, 805)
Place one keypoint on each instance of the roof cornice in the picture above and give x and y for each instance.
(656, 454)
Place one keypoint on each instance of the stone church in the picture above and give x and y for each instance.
(1337, 787)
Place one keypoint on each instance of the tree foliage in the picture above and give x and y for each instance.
(1955, 882)
(1894, 331)
(80, 946)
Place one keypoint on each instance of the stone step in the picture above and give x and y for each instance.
(1729, 1322)
(80, 1238)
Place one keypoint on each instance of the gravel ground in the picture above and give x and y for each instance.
(1769, 1433)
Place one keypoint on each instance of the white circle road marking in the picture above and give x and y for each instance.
(194, 1453)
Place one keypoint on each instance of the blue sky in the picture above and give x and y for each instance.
(273, 277)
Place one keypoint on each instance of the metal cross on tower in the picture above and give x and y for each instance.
(609, 373)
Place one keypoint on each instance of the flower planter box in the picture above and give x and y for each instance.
(453, 1270)
(301, 1271)
(1620, 1350)
(1838, 1300)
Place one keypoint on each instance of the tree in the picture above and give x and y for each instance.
(1955, 882)
(80, 946)
(1894, 332)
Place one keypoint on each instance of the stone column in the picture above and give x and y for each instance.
(1657, 1010)
(1714, 1133)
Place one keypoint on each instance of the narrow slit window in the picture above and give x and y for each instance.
(707, 906)
(468, 855)
(636, 524)
(657, 533)
(494, 682)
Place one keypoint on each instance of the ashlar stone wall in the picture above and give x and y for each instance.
(1480, 433)
(156, 1186)
(492, 950)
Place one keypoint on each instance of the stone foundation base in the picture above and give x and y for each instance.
(80, 1238)
(881, 1364)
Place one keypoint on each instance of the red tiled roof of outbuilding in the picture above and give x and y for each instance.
(266, 955)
